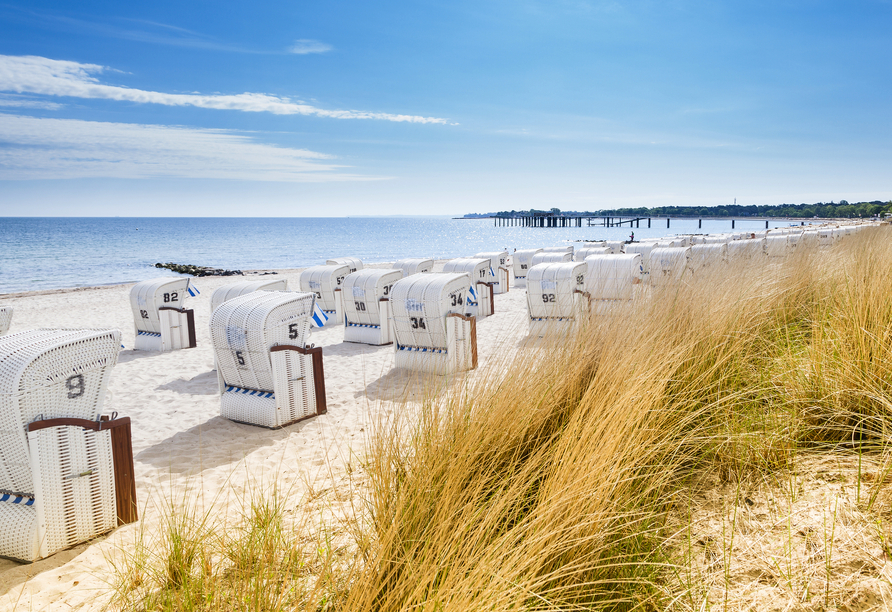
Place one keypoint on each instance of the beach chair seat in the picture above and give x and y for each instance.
(520, 263)
(367, 312)
(669, 265)
(227, 292)
(326, 283)
(267, 374)
(708, 255)
(612, 280)
(66, 470)
(5, 318)
(498, 269)
(414, 266)
(480, 302)
(160, 321)
(431, 332)
(351, 262)
(556, 297)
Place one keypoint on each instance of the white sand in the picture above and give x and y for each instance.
(181, 444)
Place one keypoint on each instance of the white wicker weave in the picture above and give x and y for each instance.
(551, 257)
(581, 254)
(616, 246)
(414, 266)
(643, 249)
(367, 315)
(520, 264)
(708, 255)
(57, 484)
(556, 297)
(351, 262)
(430, 332)
(669, 265)
(498, 268)
(146, 300)
(227, 292)
(258, 384)
(5, 318)
(559, 249)
(326, 283)
(746, 248)
(479, 303)
(613, 277)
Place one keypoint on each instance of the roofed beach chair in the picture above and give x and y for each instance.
(560, 249)
(556, 297)
(613, 279)
(227, 292)
(480, 300)
(777, 245)
(669, 265)
(431, 332)
(616, 246)
(326, 283)
(5, 318)
(581, 254)
(266, 373)
(66, 471)
(746, 248)
(414, 266)
(521, 264)
(551, 257)
(160, 321)
(643, 249)
(351, 262)
(498, 268)
(708, 255)
(367, 312)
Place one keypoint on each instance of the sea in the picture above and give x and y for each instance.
(38, 253)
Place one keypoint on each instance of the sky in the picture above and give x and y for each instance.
(440, 108)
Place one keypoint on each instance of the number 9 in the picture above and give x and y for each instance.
(75, 386)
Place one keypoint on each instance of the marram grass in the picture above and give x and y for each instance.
(545, 483)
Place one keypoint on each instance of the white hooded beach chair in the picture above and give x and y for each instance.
(367, 312)
(5, 318)
(643, 249)
(777, 245)
(708, 255)
(581, 254)
(326, 283)
(551, 257)
(227, 292)
(520, 262)
(431, 332)
(613, 279)
(669, 265)
(746, 249)
(66, 471)
(616, 246)
(266, 373)
(498, 268)
(556, 297)
(160, 321)
(414, 266)
(351, 262)
(480, 302)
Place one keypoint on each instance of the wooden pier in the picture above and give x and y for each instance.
(559, 220)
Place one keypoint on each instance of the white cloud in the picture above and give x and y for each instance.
(37, 148)
(24, 102)
(305, 45)
(40, 75)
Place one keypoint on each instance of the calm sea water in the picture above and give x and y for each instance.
(58, 252)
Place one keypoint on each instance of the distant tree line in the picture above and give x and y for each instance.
(804, 211)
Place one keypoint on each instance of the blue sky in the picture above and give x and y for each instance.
(345, 108)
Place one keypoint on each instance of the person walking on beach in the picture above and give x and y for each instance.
(632, 237)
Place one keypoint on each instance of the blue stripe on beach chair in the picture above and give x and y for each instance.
(17, 499)
(145, 333)
(263, 394)
(193, 290)
(319, 316)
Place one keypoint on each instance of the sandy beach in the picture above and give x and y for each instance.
(183, 449)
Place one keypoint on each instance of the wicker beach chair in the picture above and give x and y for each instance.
(777, 245)
(266, 373)
(5, 318)
(326, 283)
(551, 257)
(520, 262)
(559, 249)
(367, 312)
(746, 248)
(498, 269)
(643, 249)
(613, 279)
(669, 265)
(708, 255)
(480, 300)
(616, 246)
(581, 254)
(66, 471)
(160, 321)
(431, 332)
(414, 266)
(227, 292)
(556, 297)
(351, 262)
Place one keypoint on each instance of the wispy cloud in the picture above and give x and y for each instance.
(25, 102)
(40, 75)
(38, 148)
(305, 45)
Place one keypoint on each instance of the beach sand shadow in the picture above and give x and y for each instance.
(203, 384)
(404, 385)
(131, 354)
